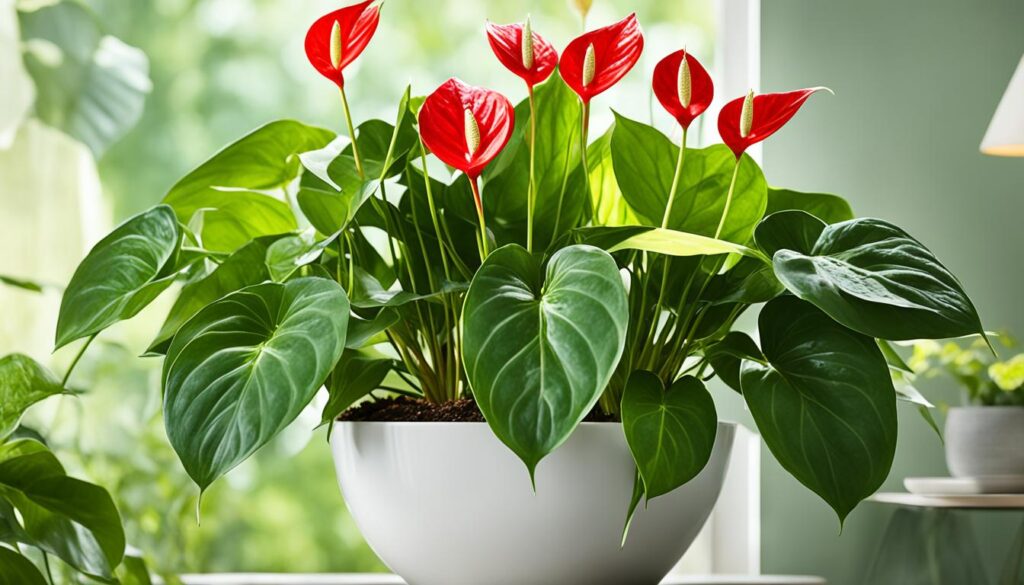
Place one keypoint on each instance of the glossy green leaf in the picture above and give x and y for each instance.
(539, 346)
(788, 230)
(244, 367)
(122, 274)
(355, 376)
(824, 402)
(828, 208)
(749, 281)
(288, 254)
(874, 278)
(330, 195)
(669, 431)
(69, 518)
(609, 206)
(23, 382)
(727, 354)
(133, 571)
(645, 162)
(561, 197)
(244, 267)
(229, 187)
(96, 89)
(364, 332)
(17, 570)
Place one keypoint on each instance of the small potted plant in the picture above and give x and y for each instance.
(983, 436)
(571, 294)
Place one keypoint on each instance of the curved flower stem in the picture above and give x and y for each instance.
(352, 134)
(584, 138)
(728, 199)
(531, 193)
(675, 182)
(484, 251)
(433, 212)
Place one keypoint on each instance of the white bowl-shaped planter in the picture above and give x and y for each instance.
(449, 504)
(985, 441)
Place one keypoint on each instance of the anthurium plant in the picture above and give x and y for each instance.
(539, 270)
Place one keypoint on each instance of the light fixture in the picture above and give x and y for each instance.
(1005, 135)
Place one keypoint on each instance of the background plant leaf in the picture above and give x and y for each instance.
(23, 382)
(122, 274)
(17, 570)
(828, 208)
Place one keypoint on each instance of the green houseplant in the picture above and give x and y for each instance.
(984, 433)
(554, 275)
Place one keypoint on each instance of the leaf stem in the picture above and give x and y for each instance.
(74, 362)
(49, 572)
(531, 193)
(352, 134)
(433, 212)
(484, 251)
(675, 182)
(584, 138)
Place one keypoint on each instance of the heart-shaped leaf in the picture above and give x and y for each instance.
(244, 267)
(824, 402)
(230, 188)
(828, 208)
(645, 161)
(122, 274)
(67, 517)
(540, 345)
(670, 432)
(17, 570)
(355, 376)
(874, 278)
(788, 230)
(244, 367)
(23, 382)
(726, 356)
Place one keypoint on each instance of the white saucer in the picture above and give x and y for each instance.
(992, 484)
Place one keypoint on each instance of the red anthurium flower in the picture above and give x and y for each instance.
(597, 60)
(466, 126)
(522, 51)
(683, 87)
(748, 120)
(336, 39)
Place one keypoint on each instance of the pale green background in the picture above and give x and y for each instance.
(916, 83)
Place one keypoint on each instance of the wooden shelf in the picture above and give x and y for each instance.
(974, 502)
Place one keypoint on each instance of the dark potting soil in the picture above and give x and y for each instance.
(408, 409)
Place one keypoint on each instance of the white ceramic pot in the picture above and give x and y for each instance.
(449, 504)
(985, 441)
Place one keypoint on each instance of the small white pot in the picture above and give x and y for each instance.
(985, 441)
(449, 504)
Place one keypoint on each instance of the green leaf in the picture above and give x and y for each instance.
(561, 197)
(290, 253)
(355, 376)
(23, 382)
(788, 230)
(330, 195)
(824, 402)
(539, 347)
(670, 432)
(122, 274)
(610, 207)
(874, 278)
(677, 243)
(133, 571)
(67, 517)
(244, 367)
(17, 570)
(244, 267)
(828, 208)
(750, 281)
(364, 332)
(227, 188)
(726, 355)
(645, 162)
(95, 89)
(23, 284)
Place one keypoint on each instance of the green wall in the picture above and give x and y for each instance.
(916, 83)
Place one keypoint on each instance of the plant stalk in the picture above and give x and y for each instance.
(352, 134)
(74, 362)
(484, 248)
(728, 199)
(531, 193)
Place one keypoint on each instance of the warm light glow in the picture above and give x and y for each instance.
(1004, 150)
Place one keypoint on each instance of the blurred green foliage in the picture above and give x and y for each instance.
(221, 68)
